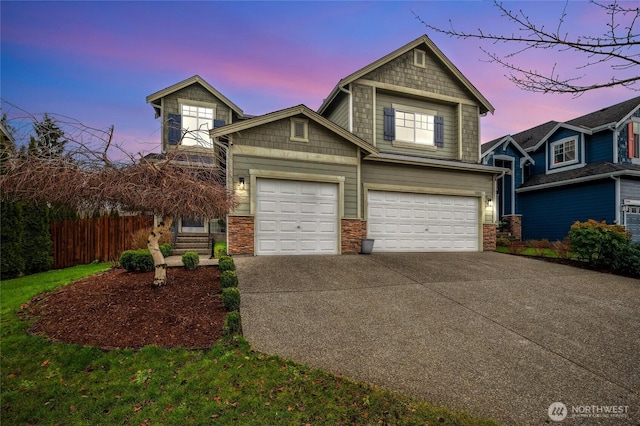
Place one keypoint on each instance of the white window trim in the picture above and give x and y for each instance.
(409, 144)
(419, 54)
(576, 161)
(305, 124)
(187, 102)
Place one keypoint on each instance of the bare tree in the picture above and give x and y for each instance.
(616, 48)
(86, 178)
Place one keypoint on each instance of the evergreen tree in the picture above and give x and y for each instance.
(49, 140)
(11, 234)
(37, 247)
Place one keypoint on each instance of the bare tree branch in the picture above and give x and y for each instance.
(617, 47)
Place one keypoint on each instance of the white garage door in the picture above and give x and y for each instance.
(296, 217)
(408, 222)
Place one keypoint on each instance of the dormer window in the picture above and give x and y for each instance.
(564, 152)
(419, 58)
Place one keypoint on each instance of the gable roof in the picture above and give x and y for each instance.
(613, 114)
(491, 146)
(422, 40)
(531, 139)
(188, 82)
(291, 112)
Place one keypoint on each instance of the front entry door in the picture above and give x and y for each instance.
(196, 226)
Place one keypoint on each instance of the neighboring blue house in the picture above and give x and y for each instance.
(562, 172)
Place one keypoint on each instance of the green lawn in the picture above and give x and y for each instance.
(53, 383)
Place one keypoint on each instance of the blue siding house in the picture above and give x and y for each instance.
(562, 172)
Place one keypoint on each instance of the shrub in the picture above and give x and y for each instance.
(232, 323)
(190, 260)
(516, 247)
(502, 242)
(166, 249)
(628, 261)
(220, 249)
(540, 247)
(598, 243)
(226, 263)
(139, 238)
(228, 279)
(563, 249)
(137, 260)
(231, 298)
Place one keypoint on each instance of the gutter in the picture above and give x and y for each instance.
(611, 175)
(618, 201)
(444, 164)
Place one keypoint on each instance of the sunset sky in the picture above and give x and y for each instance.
(97, 61)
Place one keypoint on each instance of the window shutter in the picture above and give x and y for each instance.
(218, 123)
(630, 144)
(389, 124)
(175, 128)
(438, 123)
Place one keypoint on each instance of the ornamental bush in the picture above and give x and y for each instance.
(231, 298)
(190, 260)
(137, 260)
(166, 249)
(228, 279)
(226, 263)
(37, 247)
(598, 243)
(232, 323)
(220, 249)
(11, 235)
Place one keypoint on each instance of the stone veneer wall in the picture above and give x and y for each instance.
(352, 232)
(515, 225)
(240, 231)
(489, 237)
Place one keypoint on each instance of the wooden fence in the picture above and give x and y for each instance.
(81, 241)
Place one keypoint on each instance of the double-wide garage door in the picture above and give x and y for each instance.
(410, 222)
(295, 217)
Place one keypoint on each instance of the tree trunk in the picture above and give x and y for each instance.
(160, 277)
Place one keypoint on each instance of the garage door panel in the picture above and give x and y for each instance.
(422, 222)
(298, 217)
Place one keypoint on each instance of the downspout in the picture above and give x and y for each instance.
(348, 92)
(618, 201)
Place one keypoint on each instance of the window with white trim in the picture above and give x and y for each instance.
(564, 152)
(299, 130)
(415, 127)
(197, 121)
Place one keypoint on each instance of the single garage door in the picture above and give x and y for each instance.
(296, 217)
(409, 222)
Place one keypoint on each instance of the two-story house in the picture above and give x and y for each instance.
(393, 154)
(562, 172)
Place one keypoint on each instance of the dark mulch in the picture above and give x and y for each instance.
(120, 309)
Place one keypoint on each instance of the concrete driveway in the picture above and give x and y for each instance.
(495, 335)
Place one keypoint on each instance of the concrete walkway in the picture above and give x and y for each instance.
(495, 335)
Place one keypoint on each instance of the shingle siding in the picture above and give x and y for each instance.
(363, 112)
(434, 77)
(193, 92)
(450, 149)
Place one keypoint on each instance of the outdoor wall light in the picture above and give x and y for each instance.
(241, 183)
(489, 202)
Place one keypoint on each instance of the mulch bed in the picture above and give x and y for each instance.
(120, 309)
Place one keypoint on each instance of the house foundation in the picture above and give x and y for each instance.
(241, 235)
(352, 231)
(488, 237)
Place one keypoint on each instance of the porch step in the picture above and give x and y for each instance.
(192, 242)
